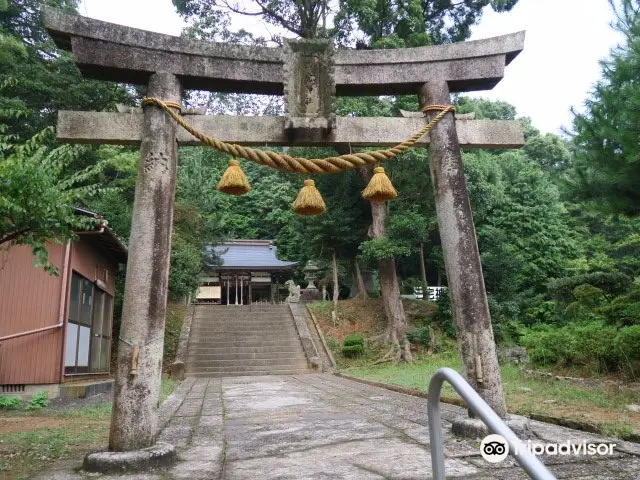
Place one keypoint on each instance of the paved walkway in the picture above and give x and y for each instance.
(324, 427)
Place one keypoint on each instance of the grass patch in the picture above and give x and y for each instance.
(31, 440)
(599, 402)
(173, 326)
(44, 437)
(166, 388)
(601, 406)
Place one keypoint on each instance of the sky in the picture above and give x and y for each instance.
(559, 65)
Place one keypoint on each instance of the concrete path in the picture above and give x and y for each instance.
(324, 427)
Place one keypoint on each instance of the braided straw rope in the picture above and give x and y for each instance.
(288, 163)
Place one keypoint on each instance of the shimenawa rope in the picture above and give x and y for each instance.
(288, 163)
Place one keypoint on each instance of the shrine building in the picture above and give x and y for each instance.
(243, 272)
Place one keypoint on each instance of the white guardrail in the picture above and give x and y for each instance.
(534, 467)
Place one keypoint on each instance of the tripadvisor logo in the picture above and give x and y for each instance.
(494, 448)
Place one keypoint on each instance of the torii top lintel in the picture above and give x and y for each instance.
(114, 52)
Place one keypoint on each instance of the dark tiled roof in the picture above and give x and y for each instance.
(248, 254)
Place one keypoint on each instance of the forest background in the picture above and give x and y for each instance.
(557, 221)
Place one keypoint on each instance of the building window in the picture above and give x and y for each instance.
(88, 335)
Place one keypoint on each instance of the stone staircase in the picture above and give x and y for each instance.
(244, 340)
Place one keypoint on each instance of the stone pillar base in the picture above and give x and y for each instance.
(466, 427)
(159, 455)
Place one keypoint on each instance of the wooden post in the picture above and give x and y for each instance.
(461, 256)
(137, 385)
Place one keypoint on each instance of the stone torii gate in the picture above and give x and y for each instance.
(309, 74)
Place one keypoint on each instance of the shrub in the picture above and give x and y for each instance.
(541, 312)
(625, 345)
(588, 295)
(353, 339)
(352, 350)
(10, 402)
(419, 336)
(38, 400)
(593, 345)
(625, 309)
(444, 316)
(353, 345)
(611, 284)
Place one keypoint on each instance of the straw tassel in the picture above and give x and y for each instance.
(309, 201)
(380, 188)
(234, 181)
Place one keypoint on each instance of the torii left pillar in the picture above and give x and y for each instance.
(137, 386)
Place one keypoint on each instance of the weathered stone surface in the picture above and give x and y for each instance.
(126, 129)
(457, 116)
(323, 426)
(299, 313)
(102, 50)
(308, 86)
(177, 367)
(461, 256)
(134, 419)
(159, 455)
(518, 355)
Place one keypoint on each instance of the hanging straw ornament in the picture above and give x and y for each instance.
(380, 188)
(234, 181)
(309, 201)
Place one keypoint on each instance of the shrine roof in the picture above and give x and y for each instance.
(247, 255)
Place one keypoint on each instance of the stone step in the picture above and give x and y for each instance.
(297, 365)
(228, 341)
(247, 333)
(216, 340)
(250, 373)
(245, 350)
(242, 321)
(267, 336)
(249, 353)
(237, 336)
(246, 319)
(253, 327)
(244, 362)
(241, 326)
(240, 313)
(216, 358)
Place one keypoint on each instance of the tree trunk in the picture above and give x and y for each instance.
(361, 289)
(393, 308)
(423, 272)
(336, 287)
(461, 256)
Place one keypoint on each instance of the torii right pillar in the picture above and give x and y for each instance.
(461, 256)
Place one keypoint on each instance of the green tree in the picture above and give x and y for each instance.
(46, 79)
(38, 192)
(607, 146)
(382, 24)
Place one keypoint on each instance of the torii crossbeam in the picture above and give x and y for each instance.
(309, 74)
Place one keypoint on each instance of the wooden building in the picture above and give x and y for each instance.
(244, 272)
(57, 328)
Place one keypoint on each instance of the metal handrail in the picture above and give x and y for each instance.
(534, 467)
(30, 332)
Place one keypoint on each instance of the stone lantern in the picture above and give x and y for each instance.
(311, 274)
